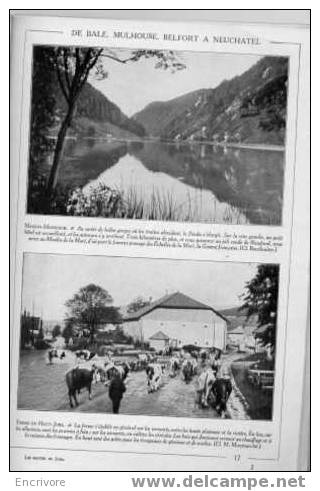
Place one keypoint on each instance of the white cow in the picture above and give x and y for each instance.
(154, 376)
(174, 366)
(205, 383)
(194, 364)
(99, 363)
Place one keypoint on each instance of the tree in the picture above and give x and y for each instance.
(42, 119)
(40, 336)
(69, 331)
(56, 331)
(88, 307)
(42, 102)
(137, 304)
(25, 333)
(73, 65)
(111, 315)
(261, 299)
(39, 342)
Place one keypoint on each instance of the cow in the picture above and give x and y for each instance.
(154, 374)
(167, 351)
(55, 353)
(205, 384)
(134, 365)
(52, 353)
(203, 356)
(174, 366)
(216, 366)
(79, 378)
(84, 354)
(143, 360)
(99, 360)
(111, 369)
(194, 354)
(187, 370)
(123, 369)
(98, 363)
(215, 361)
(108, 371)
(220, 393)
(194, 364)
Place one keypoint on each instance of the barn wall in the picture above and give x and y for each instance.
(180, 315)
(157, 344)
(220, 332)
(200, 327)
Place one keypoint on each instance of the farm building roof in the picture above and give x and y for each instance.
(237, 330)
(175, 300)
(159, 336)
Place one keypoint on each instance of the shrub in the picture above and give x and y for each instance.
(99, 202)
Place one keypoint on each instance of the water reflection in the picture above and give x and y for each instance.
(159, 194)
(250, 181)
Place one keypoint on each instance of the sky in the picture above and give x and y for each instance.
(50, 280)
(134, 85)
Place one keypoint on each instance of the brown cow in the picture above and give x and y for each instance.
(79, 378)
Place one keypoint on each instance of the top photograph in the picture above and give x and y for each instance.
(157, 135)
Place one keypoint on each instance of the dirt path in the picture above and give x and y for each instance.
(43, 387)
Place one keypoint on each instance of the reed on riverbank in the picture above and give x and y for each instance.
(103, 201)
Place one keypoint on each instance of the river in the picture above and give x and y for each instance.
(202, 182)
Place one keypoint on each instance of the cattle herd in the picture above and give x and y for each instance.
(213, 384)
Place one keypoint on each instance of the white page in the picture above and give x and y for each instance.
(222, 200)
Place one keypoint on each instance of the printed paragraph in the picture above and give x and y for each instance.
(147, 237)
(179, 435)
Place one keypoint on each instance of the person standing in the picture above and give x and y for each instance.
(116, 391)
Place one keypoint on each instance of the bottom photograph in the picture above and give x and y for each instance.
(152, 337)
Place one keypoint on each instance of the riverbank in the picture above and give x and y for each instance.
(255, 146)
(245, 146)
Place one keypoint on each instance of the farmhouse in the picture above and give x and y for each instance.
(159, 341)
(242, 338)
(177, 320)
(241, 329)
